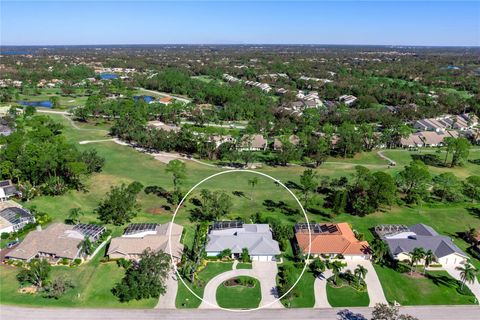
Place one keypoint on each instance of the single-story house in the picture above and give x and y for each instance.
(141, 236)
(234, 235)
(402, 240)
(254, 142)
(348, 99)
(427, 138)
(56, 242)
(159, 125)
(8, 190)
(13, 219)
(166, 100)
(330, 240)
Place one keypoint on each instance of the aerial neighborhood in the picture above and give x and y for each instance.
(240, 177)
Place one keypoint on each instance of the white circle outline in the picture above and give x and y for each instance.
(218, 174)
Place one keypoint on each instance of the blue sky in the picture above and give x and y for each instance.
(233, 22)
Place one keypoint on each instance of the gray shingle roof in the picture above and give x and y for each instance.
(257, 238)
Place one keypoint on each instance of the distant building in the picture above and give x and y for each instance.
(349, 100)
(448, 122)
(254, 142)
(13, 219)
(8, 190)
(162, 126)
(427, 139)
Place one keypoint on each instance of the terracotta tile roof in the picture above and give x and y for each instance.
(341, 241)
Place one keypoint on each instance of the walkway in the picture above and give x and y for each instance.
(374, 287)
(474, 287)
(167, 301)
(384, 157)
(320, 290)
(264, 272)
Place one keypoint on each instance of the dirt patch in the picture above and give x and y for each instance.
(157, 210)
(28, 290)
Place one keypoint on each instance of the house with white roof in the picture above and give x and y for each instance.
(236, 236)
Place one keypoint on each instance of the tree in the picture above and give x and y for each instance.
(380, 251)
(428, 259)
(36, 272)
(360, 272)
(213, 205)
(415, 256)
(252, 183)
(309, 183)
(55, 102)
(120, 204)
(460, 149)
(336, 267)
(317, 266)
(74, 215)
(245, 255)
(177, 169)
(413, 181)
(144, 279)
(383, 189)
(57, 288)
(471, 187)
(86, 247)
(467, 273)
(448, 187)
(383, 311)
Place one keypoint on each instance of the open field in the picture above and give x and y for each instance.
(124, 165)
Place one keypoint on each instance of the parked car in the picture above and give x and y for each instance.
(12, 244)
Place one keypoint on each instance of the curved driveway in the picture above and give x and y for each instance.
(264, 272)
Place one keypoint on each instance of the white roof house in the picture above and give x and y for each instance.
(256, 238)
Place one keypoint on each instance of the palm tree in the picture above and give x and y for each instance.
(252, 183)
(360, 272)
(428, 258)
(467, 273)
(74, 215)
(336, 267)
(86, 247)
(380, 251)
(415, 256)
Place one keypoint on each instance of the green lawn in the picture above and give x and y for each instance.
(185, 299)
(346, 297)
(239, 296)
(93, 282)
(242, 265)
(437, 289)
(305, 297)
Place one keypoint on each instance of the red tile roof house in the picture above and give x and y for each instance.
(331, 240)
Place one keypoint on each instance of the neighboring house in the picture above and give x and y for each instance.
(5, 130)
(293, 139)
(219, 139)
(402, 240)
(236, 236)
(455, 122)
(141, 236)
(329, 240)
(427, 138)
(166, 100)
(348, 99)
(162, 126)
(13, 219)
(8, 190)
(254, 142)
(56, 242)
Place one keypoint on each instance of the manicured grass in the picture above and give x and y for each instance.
(347, 297)
(242, 265)
(239, 296)
(93, 282)
(305, 296)
(436, 289)
(185, 299)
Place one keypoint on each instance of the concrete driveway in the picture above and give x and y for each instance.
(264, 272)
(474, 287)
(374, 287)
(167, 301)
(320, 289)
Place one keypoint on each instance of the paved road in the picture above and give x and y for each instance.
(265, 272)
(374, 287)
(165, 95)
(320, 290)
(421, 312)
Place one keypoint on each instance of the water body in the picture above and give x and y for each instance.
(108, 76)
(15, 52)
(147, 99)
(44, 104)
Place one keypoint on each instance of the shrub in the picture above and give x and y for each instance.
(5, 235)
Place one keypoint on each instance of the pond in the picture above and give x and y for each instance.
(44, 104)
(147, 99)
(108, 76)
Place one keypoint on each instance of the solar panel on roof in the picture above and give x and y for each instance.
(140, 227)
